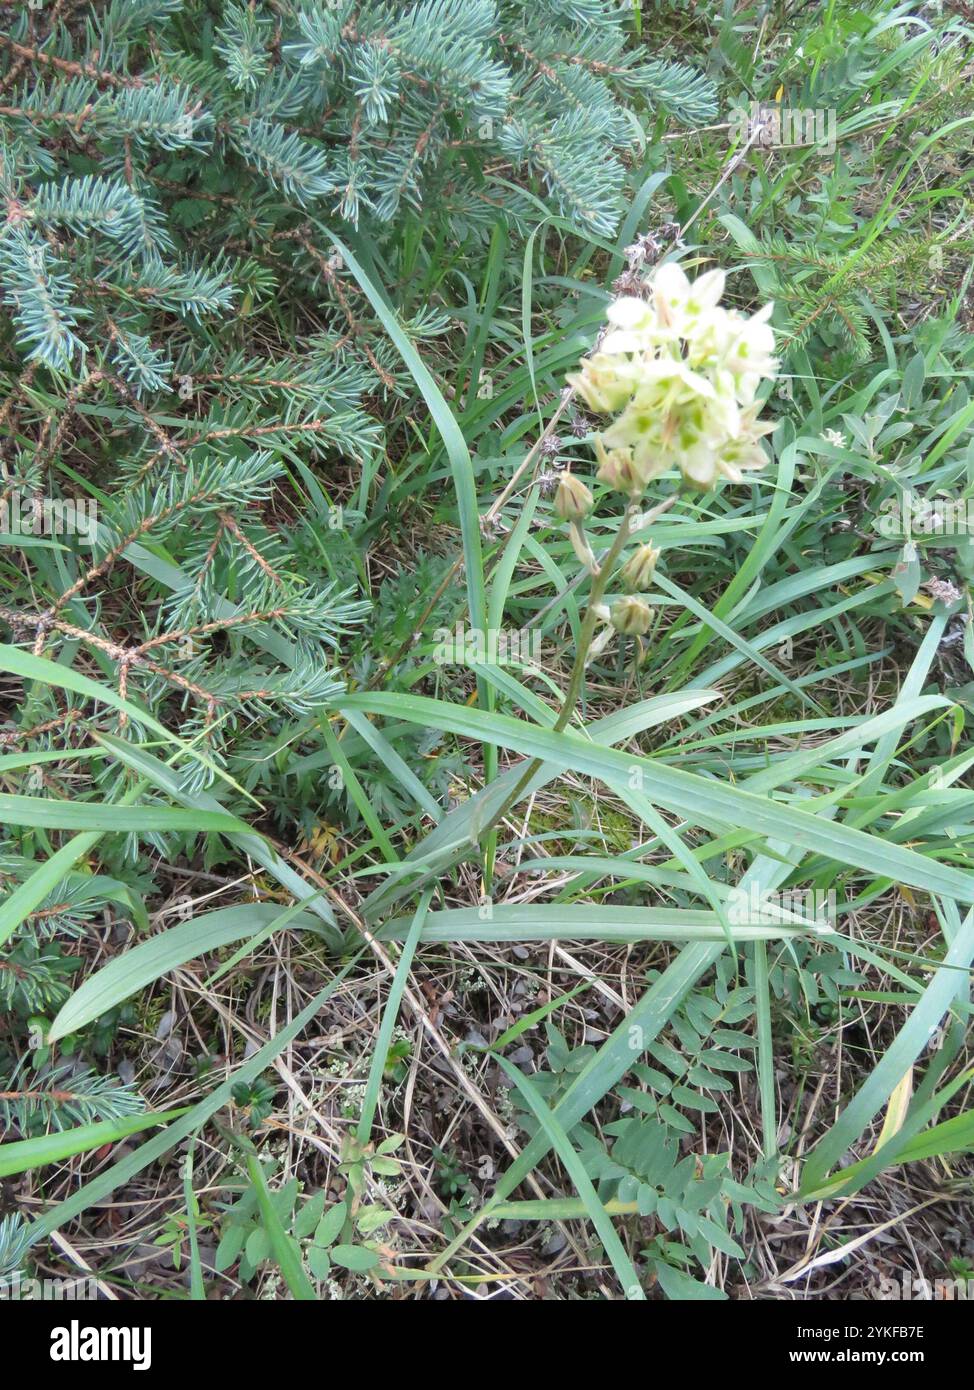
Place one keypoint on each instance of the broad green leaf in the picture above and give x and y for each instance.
(150, 960)
(553, 922)
(53, 814)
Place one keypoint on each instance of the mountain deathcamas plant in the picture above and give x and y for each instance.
(680, 374)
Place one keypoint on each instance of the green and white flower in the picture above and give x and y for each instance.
(680, 373)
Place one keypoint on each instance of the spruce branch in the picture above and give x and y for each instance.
(56, 1097)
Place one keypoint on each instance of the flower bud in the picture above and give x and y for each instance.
(618, 470)
(637, 573)
(573, 501)
(631, 616)
(581, 547)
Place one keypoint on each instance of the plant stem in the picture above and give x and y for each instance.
(600, 582)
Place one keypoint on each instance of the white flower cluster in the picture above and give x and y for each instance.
(680, 373)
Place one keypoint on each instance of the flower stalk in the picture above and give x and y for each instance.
(679, 373)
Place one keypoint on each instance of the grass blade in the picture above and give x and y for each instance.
(126, 1168)
(22, 1155)
(897, 1059)
(575, 1169)
(390, 1014)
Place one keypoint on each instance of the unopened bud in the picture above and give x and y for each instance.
(637, 573)
(573, 501)
(631, 616)
(582, 548)
(617, 470)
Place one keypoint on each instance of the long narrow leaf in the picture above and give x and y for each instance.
(150, 960)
